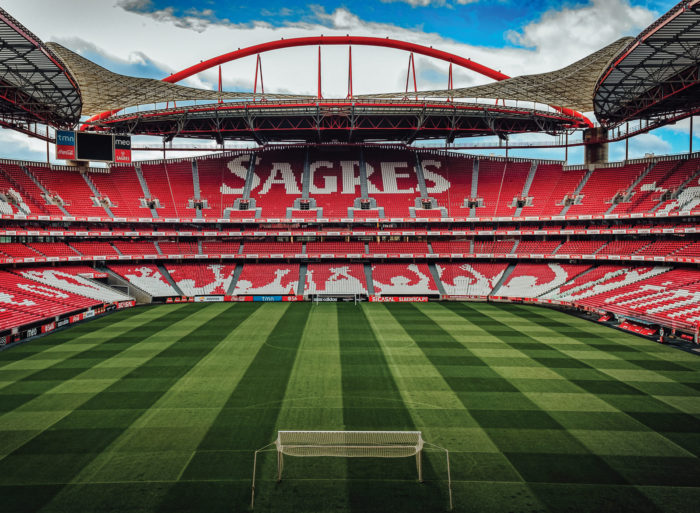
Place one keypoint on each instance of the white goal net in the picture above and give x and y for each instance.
(349, 444)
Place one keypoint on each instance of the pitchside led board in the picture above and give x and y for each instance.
(93, 147)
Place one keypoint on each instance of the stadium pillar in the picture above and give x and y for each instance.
(596, 146)
(691, 135)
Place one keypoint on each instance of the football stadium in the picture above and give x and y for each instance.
(478, 297)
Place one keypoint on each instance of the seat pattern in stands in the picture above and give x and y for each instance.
(69, 278)
(335, 278)
(268, 279)
(472, 279)
(202, 279)
(533, 280)
(403, 279)
(146, 277)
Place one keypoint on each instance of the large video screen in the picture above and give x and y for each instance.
(95, 146)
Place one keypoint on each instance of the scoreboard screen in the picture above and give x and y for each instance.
(95, 146)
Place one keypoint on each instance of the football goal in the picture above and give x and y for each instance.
(350, 444)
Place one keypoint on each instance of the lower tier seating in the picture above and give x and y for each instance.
(403, 279)
(340, 278)
(268, 279)
(202, 279)
(471, 279)
(146, 277)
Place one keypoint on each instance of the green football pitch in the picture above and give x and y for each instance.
(160, 409)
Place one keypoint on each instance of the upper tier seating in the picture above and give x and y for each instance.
(533, 280)
(499, 184)
(121, 185)
(493, 247)
(72, 188)
(580, 247)
(281, 279)
(334, 181)
(537, 247)
(403, 279)
(220, 247)
(398, 247)
(335, 278)
(178, 248)
(146, 277)
(334, 185)
(392, 181)
(318, 248)
(602, 186)
(161, 188)
(211, 173)
(470, 279)
(277, 181)
(548, 188)
(452, 246)
(623, 247)
(94, 248)
(202, 279)
(662, 248)
(135, 247)
(18, 250)
(53, 249)
(15, 179)
(272, 248)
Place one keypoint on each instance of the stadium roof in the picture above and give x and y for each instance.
(570, 87)
(34, 85)
(103, 90)
(657, 75)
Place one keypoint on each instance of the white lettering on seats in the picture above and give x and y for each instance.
(282, 174)
(330, 183)
(351, 176)
(440, 183)
(390, 175)
(239, 170)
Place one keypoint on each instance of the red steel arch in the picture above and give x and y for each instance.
(337, 40)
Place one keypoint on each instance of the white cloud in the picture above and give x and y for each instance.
(133, 31)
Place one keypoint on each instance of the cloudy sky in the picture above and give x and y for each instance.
(154, 38)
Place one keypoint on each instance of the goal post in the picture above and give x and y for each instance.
(350, 444)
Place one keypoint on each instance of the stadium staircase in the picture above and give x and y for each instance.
(169, 279)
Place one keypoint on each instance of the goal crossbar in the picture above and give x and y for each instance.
(350, 444)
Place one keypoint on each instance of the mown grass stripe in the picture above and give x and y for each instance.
(225, 453)
(57, 454)
(52, 372)
(372, 401)
(30, 357)
(313, 401)
(160, 445)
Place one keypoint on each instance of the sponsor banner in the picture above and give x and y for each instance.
(63, 322)
(208, 299)
(93, 275)
(88, 314)
(48, 327)
(268, 299)
(65, 145)
(463, 298)
(398, 299)
(122, 149)
(3, 341)
(75, 318)
(292, 298)
(125, 304)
